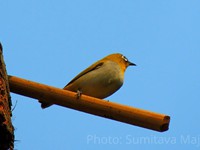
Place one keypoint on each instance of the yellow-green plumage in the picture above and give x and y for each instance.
(101, 79)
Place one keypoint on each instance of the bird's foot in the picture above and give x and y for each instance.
(78, 94)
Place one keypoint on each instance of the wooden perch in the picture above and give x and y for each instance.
(95, 106)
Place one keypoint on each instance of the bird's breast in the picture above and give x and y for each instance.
(101, 82)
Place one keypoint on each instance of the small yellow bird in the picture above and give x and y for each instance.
(101, 79)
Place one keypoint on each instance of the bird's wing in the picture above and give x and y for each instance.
(87, 70)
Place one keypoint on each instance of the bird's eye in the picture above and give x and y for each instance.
(125, 59)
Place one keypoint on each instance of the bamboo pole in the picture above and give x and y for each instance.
(95, 106)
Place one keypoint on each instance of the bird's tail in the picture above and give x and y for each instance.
(45, 104)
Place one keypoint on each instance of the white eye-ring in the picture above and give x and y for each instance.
(125, 59)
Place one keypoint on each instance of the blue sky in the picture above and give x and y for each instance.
(50, 42)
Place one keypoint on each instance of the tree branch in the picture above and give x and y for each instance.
(6, 127)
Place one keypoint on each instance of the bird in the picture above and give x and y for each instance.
(101, 79)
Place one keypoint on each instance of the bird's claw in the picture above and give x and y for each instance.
(78, 94)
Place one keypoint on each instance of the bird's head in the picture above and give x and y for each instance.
(120, 60)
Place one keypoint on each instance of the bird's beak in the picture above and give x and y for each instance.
(131, 64)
